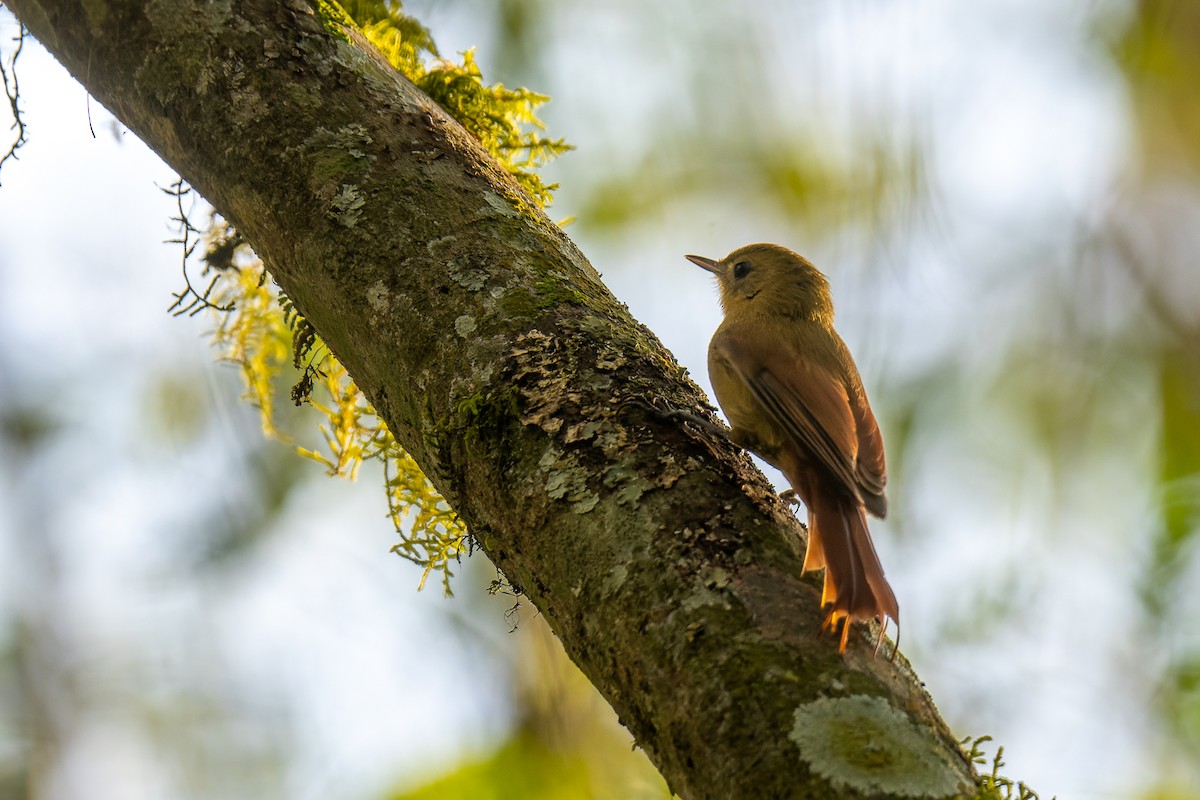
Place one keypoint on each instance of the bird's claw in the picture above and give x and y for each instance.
(663, 411)
(667, 412)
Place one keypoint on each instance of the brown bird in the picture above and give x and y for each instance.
(792, 394)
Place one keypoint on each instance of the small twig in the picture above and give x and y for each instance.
(302, 391)
(188, 300)
(88, 95)
(12, 91)
(513, 617)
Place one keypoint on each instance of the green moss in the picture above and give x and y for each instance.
(174, 70)
(332, 166)
(479, 408)
(547, 293)
(555, 293)
(487, 416)
(336, 157)
(516, 304)
(334, 18)
(301, 96)
(993, 785)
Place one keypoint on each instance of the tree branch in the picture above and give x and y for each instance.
(661, 558)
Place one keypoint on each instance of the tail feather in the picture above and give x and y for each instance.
(855, 587)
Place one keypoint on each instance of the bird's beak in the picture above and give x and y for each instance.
(705, 263)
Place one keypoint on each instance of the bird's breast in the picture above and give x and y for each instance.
(741, 408)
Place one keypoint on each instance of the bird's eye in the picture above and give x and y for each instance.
(741, 270)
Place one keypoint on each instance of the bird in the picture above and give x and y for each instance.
(787, 384)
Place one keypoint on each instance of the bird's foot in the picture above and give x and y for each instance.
(832, 620)
(664, 411)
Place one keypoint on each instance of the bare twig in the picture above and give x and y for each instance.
(12, 92)
(188, 300)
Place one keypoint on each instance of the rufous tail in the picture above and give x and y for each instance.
(855, 586)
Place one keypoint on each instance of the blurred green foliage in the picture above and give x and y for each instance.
(1179, 465)
(523, 767)
(566, 745)
(1159, 52)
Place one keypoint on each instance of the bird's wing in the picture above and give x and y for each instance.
(870, 469)
(805, 400)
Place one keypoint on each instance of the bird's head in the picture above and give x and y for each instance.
(769, 279)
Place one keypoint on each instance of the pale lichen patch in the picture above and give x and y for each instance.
(627, 483)
(716, 578)
(354, 139)
(703, 596)
(616, 578)
(464, 325)
(498, 203)
(482, 375)
(864, 744)
(379, 298)
(470, 277)
(669, 471)
(434, 244)
(346, 206)
(549, 458)
(566, 479)
(610, 360)
(582, 430)
(541, 367)
(245, 103)
(586, 504)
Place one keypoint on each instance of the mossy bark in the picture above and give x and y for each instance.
(661, 558)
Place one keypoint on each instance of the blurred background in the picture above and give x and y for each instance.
(1005, 195)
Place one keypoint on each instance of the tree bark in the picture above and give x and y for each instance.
(659, 555)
